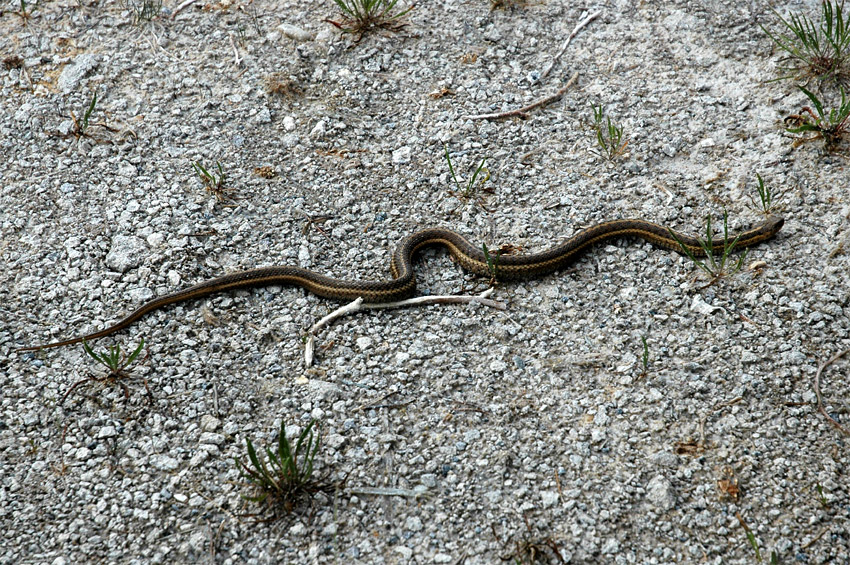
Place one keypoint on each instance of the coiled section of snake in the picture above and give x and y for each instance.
(470, 257)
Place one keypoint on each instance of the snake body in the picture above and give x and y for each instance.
(470, 257)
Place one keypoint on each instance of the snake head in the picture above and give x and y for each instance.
(772, 225)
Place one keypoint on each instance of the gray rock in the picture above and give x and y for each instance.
(74, 73)
(660, 493)
(125, 253)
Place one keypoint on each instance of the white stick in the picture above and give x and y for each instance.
(236, 58)
(358, 305)
(181, 7)
(580, 25)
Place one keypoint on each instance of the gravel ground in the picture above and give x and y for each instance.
(487, 433)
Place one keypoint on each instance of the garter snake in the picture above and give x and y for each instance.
(470, 257)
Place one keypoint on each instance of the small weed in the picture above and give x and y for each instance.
(751, 537)
(821, 498)
(279, 84)
(530, 549)
(143, 11)
(819, 50)
(81, 126)
(116, 362)
(287, 477)
(609, 136)
(215, 184)
(363, 16)
(469, 189)
(26, 10)
(714, 267)
(644, 360)
(492, 262)
(767, 197)
(831, 127)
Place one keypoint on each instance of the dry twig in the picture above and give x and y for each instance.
(236, 59)
(578, 27)
(523, 112)
(821, 407)
(358, 305)
(181, 7)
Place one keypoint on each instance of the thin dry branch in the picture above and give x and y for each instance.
(578, 27)
(523, 112)
(236, 59)
(357, 305)
(181, 7)
(821, 407)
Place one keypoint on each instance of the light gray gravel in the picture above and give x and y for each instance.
(490, 427)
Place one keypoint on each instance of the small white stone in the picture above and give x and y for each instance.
(295, 32)
(660, 493)
(164, 462)
(549, 498)
(318, 130)
(401, 155)
(211, 438)
(289, 123)
(155, 239)
(304, 259)
(209, 423)
(701, 306)
(364, 343)
(413, 523)
(125, 252)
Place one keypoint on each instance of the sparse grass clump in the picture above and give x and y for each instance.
(363, 16)
(715, 266)
(26, 10)
(492, 259)
(287, 478)
(768, 198)
(142, 11)
(468, 190)
(644, 358)
(116, 362)
(831, 126)
(815, 50)
(216, 184)
(609, 136)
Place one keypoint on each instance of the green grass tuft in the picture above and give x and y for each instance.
(284, 477)
(609, 136)
(364, 16)
(815, 50)
(716, 267)
(831, 126)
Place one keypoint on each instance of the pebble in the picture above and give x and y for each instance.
(660, 493)
(74, 73)
(295, 32)
(126, 252)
